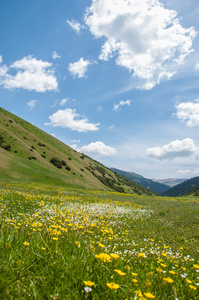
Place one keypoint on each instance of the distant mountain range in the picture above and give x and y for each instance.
(183, 188)
(152, 185)
(165, 187)
(170, 181)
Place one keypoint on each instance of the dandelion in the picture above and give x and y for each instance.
(168, 279)
(26, 243)
(135, 280)
(101, 245)
(42, 248)
(113, 286)
(89, 283)
(172, 272)
(149, 295)
(120, 272)
(55, 239)
(188, 281)
(134, 274)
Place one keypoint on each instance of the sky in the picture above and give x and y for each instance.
(117, 80)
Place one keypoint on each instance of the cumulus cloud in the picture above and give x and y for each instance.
(3, 69)
(76, 26)
(97, 149)
(68, 118)
(188, 112)
(184, 148)
(145, 37)
(79, 68)
(122, 103)
(31, 74)
(32, 103)
(55, 55)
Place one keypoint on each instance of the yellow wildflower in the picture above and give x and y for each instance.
(168, 279)
(101, 245)
(135, 280)
(89, 283)
(113, 286)
(115, 256)
(134, 274)
(104, 257)
(172, 272)
(196, 266)
(120, 272)
(26, 243)
(149, 296)
(188, 281)
(192, 287)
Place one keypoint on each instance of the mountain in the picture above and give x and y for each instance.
(170, 181)
(29, 154)
(147, 183)
(183, 188)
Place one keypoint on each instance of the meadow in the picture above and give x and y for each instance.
(58, 243)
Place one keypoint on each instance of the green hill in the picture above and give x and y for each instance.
(29, 154)
(183, 188)
(147, 183)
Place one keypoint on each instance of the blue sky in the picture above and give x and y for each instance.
(115, 79)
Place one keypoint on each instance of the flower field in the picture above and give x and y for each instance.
(58, 243)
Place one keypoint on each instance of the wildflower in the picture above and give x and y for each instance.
(104, 257)
(43, 248)
(55, 239)
(168, 279)
(87, 289)
(120, 272)
(26, 243)
(89, 283)
(115, 256)
(188, 281)
(113, 286)
(139, 293)
(141, 255)
(135, 280)
(172, 272)
(78, 244)
(134, 274)
(196, 266)
(159, 270)
(101, 245)
(192, 287)
(149, 296)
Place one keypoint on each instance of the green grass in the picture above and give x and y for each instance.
(58, 243)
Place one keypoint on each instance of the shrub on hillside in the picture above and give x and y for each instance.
(56, 162)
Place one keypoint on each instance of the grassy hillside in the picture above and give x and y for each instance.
(147, 183)
(30, 154)
(183, 188)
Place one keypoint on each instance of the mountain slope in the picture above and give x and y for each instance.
(147, 183)
(29, 154)
(182, 188)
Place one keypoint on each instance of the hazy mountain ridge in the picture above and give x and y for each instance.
(170, 181)
(30, 154)
(147, 183)
(183, 188)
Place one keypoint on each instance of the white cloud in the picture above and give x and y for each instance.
(76, 26)
(55, 55)
(68, 118)
(145, 37)
(32, 103)
(32, 74)
(184, 172)
(63, 101)
(122, 103)
(188, 112)
(3, 69)
(184, 148)
(197, 66)
(79, 68)
(97, 149)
